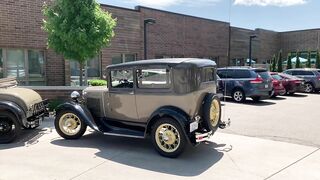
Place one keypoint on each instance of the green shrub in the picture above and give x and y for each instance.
(53, 104)
(97, 82)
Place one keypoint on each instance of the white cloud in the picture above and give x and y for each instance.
(167, 3)
(280, 3)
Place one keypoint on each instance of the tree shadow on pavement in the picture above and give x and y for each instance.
(140, 153)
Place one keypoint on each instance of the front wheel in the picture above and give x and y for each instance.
(10, 128)
(69, 126)
(168, 138)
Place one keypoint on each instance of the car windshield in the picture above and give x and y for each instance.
(264, 74)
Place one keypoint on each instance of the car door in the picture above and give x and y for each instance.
(121, 104)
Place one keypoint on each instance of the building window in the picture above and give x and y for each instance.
(16, 64)
(92, 70)
(122, 58)
(36, 67)
(27, 66)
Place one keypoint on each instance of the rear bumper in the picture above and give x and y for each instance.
(262, 94)
(200, 137)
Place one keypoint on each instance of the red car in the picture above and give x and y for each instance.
(278, 87)
(292, 84)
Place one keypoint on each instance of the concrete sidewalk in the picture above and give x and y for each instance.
(95, 156)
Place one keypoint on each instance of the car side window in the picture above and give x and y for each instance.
(153, 78)
(223, 74)
(121, 79)
(242, 74)
(207, 75)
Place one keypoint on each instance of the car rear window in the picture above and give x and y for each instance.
(264, 74)
(242, 74)
(276, 76)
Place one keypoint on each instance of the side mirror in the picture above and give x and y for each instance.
(75, 95)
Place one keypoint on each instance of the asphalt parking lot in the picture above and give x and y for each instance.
(272, 151)
(293, 119)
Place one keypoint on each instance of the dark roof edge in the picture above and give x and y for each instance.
(117, 7)
(313, 29)
(242, 28)
(138, 8)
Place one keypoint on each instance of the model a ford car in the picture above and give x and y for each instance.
(19, 108)
(173, 101)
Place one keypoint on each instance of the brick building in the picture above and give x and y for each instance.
(24, 54)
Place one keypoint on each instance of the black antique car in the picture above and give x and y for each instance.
(172, 100)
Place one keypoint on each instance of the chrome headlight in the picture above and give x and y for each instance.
(75, 95)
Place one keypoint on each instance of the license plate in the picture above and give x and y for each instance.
(193, 126)
(266, 86)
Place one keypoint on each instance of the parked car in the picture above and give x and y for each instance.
(242, 82)
(292, 84)
(19, 108)
(311, 76)
(173, 107)
(277, 81)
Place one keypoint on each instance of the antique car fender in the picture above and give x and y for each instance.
(179, 115)
(14, 109)
(81, 111)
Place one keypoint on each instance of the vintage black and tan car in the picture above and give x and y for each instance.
(19, 108)
(173, 101)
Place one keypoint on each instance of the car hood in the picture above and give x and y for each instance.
(23, 97)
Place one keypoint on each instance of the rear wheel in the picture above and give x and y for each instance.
(10, 128)
(69, 126)
(238, 95)
(168, 137)
(308, 88)
(283, 93)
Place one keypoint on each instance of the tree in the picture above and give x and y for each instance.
(309, 60)
(273, 63)
(280, 61)
(318, 60)
(289, 63)
(77, 29)
(298, 60)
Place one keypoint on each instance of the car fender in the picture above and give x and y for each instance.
(14, 109)
(176, 113)
(81, 111)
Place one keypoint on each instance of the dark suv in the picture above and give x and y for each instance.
(242, 82)
(311, 76)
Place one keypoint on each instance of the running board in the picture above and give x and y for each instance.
(124, 135)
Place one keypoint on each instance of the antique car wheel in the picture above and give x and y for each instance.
(212, 112)
(238, 95)
(308, 88)
(69, 125)
(168, 137)
(10, 128)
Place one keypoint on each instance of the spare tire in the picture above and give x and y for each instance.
(211, 112)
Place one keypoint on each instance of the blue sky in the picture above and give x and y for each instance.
(278, 15)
